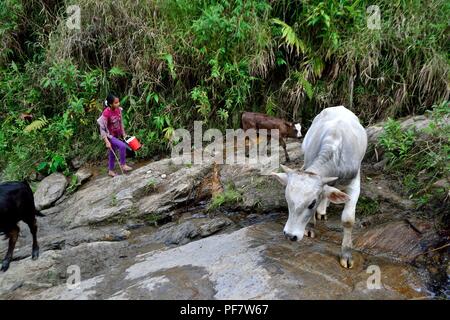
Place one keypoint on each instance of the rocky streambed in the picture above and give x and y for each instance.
(153, 234)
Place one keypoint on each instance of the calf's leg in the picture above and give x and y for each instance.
(348, 220)
(283, 144)
(13, 234)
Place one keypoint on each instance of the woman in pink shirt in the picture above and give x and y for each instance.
(111, 129)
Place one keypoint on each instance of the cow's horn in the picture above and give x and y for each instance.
(329, 179)
(286, 169)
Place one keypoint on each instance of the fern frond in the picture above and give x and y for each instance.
(36, 125)
(116, 72)
(290, 37)
(317, 66)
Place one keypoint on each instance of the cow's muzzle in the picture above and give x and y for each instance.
(290, 236)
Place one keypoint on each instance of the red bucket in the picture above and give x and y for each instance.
(133, 143)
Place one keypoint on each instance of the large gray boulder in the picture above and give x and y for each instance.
(142, 192)
(49, 190)
(417, 123)
(259, 192)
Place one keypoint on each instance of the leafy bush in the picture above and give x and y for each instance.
(421, 159)
(396, 142)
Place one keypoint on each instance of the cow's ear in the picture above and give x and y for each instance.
(335, 195)
(282, 177)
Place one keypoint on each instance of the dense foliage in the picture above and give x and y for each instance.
(176, 61)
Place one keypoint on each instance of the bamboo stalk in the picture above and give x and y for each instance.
(117, 160)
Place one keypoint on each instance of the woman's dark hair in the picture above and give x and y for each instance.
(109, 100)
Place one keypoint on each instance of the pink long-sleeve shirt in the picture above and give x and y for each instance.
(111, 123)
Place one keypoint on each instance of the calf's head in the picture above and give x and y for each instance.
(304, 191)
(298, 129)
(294, 130)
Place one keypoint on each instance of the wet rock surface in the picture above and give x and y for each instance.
(254, 262)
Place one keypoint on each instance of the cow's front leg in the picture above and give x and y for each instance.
(348, 220)
(309, 230)
(321, 211)
(12, 235)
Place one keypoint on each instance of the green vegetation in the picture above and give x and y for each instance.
(229, 196)
(420, 159)
(73, 185)
(151, 185)
(152, 218)
(114, 201)
(367, 207)
(176, 61)
(396, 142)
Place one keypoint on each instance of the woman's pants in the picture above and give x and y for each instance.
(117, 144)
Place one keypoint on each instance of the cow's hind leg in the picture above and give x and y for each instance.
(348, 220)
(13, 234)
(321, 211)
(33, 229)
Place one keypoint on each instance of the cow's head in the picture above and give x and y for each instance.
(304, 191)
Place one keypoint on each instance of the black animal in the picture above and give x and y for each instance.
(16, 204)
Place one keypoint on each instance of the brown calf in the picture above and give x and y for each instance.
(254, 120)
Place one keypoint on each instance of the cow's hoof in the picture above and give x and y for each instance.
(35, 254)
(322, 217)
(310, 233)
(346, 260)
(5, 266)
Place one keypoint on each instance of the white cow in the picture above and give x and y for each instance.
(334, 147)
